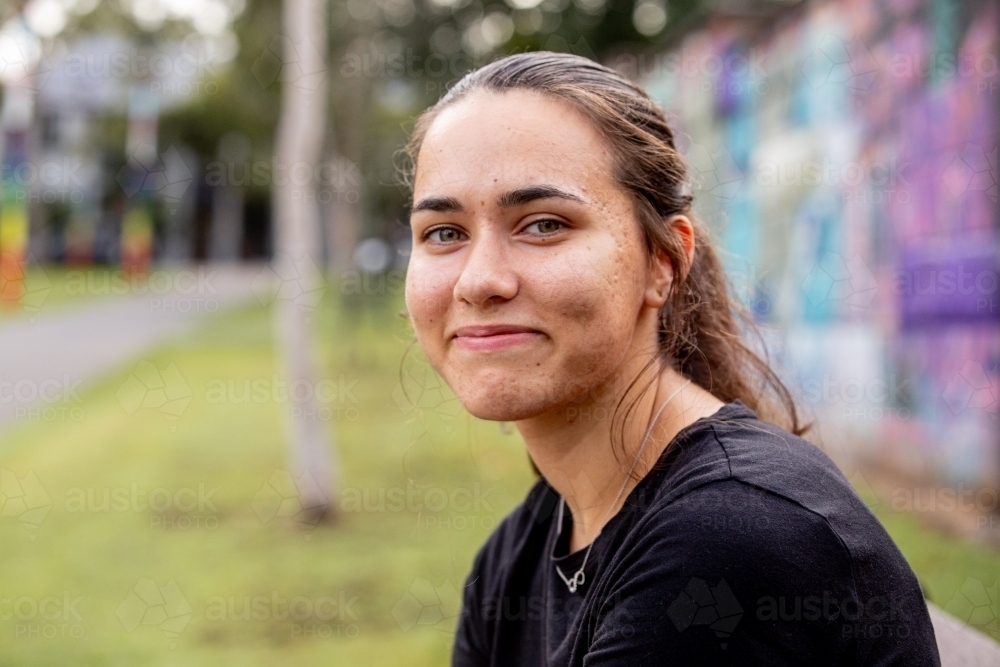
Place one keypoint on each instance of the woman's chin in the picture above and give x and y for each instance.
(491, 412)
(498, 408)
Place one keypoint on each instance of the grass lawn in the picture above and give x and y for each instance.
(959, 577)
(157, 524)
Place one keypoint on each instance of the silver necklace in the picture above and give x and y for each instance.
(580, 577)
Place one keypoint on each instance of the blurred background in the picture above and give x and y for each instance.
(219, 443)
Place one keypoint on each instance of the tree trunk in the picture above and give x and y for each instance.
(297, 224)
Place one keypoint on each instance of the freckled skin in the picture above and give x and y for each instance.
(584, 287)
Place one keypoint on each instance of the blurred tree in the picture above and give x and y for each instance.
(298, 144)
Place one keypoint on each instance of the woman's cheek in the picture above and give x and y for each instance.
(584, 290)
(424, 304)
(599, 312)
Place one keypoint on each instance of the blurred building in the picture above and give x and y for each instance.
(84, 190)
(845, 153)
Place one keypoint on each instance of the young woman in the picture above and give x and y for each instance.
(558, 275)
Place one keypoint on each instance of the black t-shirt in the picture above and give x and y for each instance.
(745, 545)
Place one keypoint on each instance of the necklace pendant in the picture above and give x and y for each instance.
(576, 581)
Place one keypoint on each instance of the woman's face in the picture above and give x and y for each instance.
(517, 221)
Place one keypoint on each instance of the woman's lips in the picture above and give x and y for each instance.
(496, 341)
(487, 338)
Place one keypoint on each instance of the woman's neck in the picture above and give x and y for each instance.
(572, 448)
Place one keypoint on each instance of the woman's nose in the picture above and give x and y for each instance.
(488, 273)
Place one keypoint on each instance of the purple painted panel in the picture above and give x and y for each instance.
(948, 282)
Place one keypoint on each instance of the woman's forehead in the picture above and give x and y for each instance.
(510, 140)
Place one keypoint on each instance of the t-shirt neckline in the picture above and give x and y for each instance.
(733, 409)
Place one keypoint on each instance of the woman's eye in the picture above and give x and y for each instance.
(451, 234)
(547, 226)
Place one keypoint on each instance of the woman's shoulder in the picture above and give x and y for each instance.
(735, 445)
(781, 465)
(773, 516)
(753, 488)
(734, 568)
(790, 557)
(729, 522)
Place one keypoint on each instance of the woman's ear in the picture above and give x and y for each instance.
(684, 228)
(663, 272)
(661, 277)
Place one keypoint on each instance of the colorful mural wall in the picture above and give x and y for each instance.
(845, 155)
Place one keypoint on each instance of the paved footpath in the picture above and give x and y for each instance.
(961, 646)
(46, 357)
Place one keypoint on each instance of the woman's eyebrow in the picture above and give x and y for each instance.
(439, 204)
(522, 196)
(508, 199)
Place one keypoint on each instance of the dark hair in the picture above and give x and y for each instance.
(701, 325)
